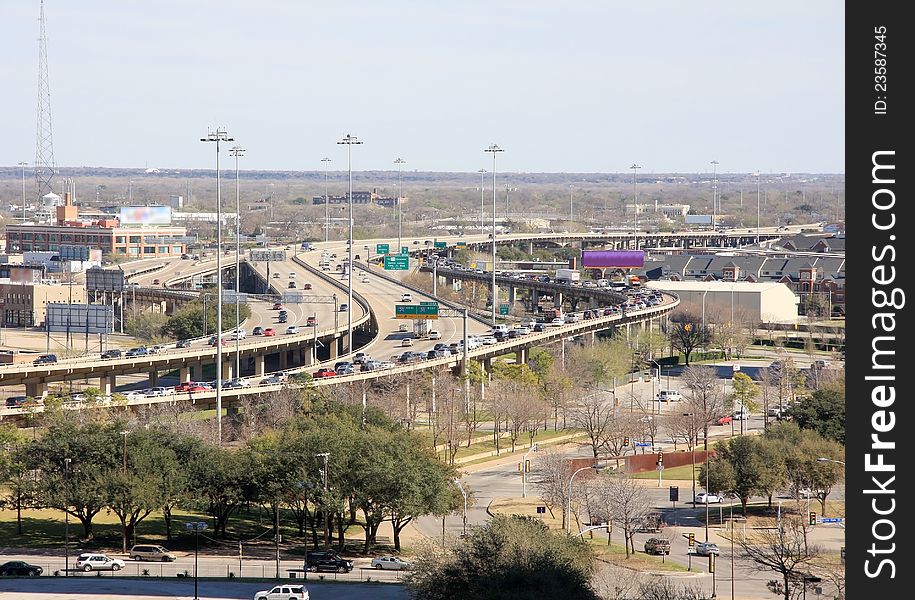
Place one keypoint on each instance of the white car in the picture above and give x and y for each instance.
(283, 592)
(391, 563)
(704, 498)
(488, 340)
(406, 298)
(134, 395)
(435, 335)
(365, 280)
(292, 329)
(669, 396)
(98, 562)
(238, 335)
(406, 342)
(291, 274)
(558, 321)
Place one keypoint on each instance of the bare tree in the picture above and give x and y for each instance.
(593, 414)
(778, 547)
(623, 501)
(555, 471)
(705, 398)
(268, 411)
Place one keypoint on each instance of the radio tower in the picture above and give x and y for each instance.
(44, 143)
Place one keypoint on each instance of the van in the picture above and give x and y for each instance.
(147, 552)
(499, 327)
(669, 396)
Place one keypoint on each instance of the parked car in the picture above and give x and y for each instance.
(741, 414)
(669, 396)
(269, 332)
(147, 552)
(183, 344)
(391, 563)
(45, 359)
(18, 568)
(657, 546)
(327, 561)
(292, 329)
(283, 592)
(98, 562)
(706, 498)
(113, 353)
(707, 549)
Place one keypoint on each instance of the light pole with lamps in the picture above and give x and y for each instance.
(463, 493)
(237, 151)
(571, 213)
(67, 519)
(714, 164)
(482, 172)
(326, 160)
(635, 201)
(596, 467)
(218, 136)
(494, 149)
(524, 471)
(196, 527)
(22, 166)
(757, 207)
(399, 162)
(349, 141)
(124, 433)
(326, 457)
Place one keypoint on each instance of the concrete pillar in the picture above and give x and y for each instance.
(530, 249)
(153, 378)
(284, 359)
(307, 356)
(184, 374)
(535, 300)
(36, 389)
(557, 299)
(593, 338)
(487, 365)
(106, 384)
(258, 364)
(196, 371)
(521, 356)
(228, 369)
(511, 295)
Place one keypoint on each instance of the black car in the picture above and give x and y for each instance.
(257, 331)
(18, 568)
(539, 327)
(111, 354)
(183, 344)
(45, 359)
(327, 561)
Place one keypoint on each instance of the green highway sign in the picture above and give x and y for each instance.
(382, 248)
(428, 303)
(441, 244)
(404, 249)
(503, 308)
(397, 263)
(413, 311)
(462, 244)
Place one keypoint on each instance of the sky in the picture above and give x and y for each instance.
(586, 86)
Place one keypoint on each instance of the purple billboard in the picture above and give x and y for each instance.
(619, 259)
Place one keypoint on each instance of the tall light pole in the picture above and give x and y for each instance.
(22, 166)
(757, 208)
(237, 151)
(349, 141)
(635, 201)
(218, 136)
(524, 471)
(196, 527)
(482, 172)
(495, 150)
(399, 162)
(326, 160)
(326, 457)
(571, 213)
(714, 164)
(67, 518)
(463, 493)
(569, 498)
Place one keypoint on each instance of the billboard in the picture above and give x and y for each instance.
(146, 215)
(267, 255)
(80, 318)
(104, 280)
(698, 219)
(624, 259)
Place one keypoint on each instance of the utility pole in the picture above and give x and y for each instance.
(349, 141)
(494, 149)
(326, 457)
(399, 162)
(714, 164)
(326, 160)
(237, 151)
(482, 172)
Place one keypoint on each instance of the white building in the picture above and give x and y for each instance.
(769, 302)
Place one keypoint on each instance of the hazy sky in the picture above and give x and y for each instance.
(561, 86)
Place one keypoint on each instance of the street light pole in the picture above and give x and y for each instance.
(67, 518)
(524, 471)
(569, 498)
(714, 164)
(22, 166)
(571, 213)
(326, 457)
(482, 172)
(349, 141)
(757, 208)
(326, 160)
(196, 527)
(463, 493)
(399, 162)
(635, 201)
(494, 149)
(237, 151)
(218, 136)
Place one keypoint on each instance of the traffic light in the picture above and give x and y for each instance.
(813, 518)
(527, 466)
(520, 468)
(692, 539)
(660, 456)
(626, 440)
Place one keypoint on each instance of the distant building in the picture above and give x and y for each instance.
(24, 303)
(767, 302)
(176, 201)
(358, 198)
(673, 210)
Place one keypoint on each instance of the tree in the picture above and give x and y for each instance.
(804, 471)
(622, 501)
(510, 558)
(704, 400)
(780, 547)
(187, 321)
(18, 485)
(594, 415)
(744, 460)
(823, 412)
(686, 332)
(555, 471)
(744, 392)
(218, 479)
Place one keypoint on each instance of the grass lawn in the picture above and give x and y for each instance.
(505, 443)
(683, 473)
(615, 553)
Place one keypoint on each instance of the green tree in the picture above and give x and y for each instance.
(686, 332)
(218, 479)
(510, 558)
(187, 321)
(744, 392)
(146, 326)
(823, 412)
(18, 487)
(745, 459)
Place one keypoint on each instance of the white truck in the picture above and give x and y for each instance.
(567, 275)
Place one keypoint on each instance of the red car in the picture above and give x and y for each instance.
(311, 322)
(324, 373)
(277, 306)
(269, 331)
(225, 341)
(190, 386)
(725, 420)
(306, 286)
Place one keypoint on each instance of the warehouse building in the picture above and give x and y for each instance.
(767, 302)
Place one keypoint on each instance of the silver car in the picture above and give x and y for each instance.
(98, 562)
(391, 563)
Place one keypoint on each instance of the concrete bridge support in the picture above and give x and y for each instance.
(557, 300)
(521, 356)
(259, 364)
(228, 369)
(535, 300)
(511, 295)
(284, 359)
(106, 383)
(196, 371)
(153, 378)
(36, 389)
(184, 374)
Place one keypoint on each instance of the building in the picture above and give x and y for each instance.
(107, 234)
(767, 302)
(673, 210)
(204, 217)
(175, 201)
(358, 198)
(24, 304)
